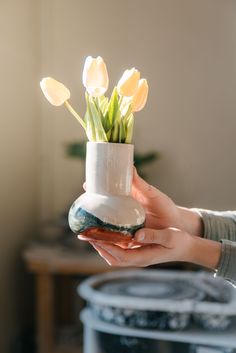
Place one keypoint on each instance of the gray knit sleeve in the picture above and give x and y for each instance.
(221, 226)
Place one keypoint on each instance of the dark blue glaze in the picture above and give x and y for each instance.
(80, 220)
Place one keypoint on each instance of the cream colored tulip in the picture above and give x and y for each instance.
(128, 84)
(55, 92)
(140, 97)
(95, 76)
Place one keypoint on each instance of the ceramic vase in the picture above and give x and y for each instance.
(107, 211)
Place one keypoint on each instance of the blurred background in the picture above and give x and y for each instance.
(187, 51)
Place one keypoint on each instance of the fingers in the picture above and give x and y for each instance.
(139, 257)
(164, 237)
(143, 187)
(101, 234)
(157, 246)
(104, 254)
(113, 254)
(82, 237)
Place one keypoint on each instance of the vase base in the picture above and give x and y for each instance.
(104, 235)
(84, 222)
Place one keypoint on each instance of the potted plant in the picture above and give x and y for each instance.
(106, 211)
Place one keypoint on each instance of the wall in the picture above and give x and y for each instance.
(18, 159)
(187, 51)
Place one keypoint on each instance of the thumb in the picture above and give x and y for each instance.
(143, 187)
(152, 236)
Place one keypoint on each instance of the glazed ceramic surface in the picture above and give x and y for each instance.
(107, 203)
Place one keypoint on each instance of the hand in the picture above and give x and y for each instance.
(160, 246)
(161, 211)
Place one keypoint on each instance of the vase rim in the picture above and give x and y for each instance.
(109, 143)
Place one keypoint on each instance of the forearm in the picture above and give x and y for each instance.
(217, 256)
(218, 249)
(211, 225)
(204, 252)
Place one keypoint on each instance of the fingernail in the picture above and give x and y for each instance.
(140, 236)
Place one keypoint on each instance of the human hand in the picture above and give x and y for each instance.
(159, 246)
(161, 211)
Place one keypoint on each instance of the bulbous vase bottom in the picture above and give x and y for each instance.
(91, 227)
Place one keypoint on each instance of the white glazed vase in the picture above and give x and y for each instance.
(107, 211)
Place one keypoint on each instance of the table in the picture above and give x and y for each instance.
(46, 261)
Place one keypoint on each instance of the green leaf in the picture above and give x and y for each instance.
(130, 128)
(95, 115)
(103, 105)
(109, 135)
(90, 128)
(118, 116)
(128, 113)
(113, 106)
(115, 132)
(106, 123)
(122, 132)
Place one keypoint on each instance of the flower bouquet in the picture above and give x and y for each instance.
(106, 211)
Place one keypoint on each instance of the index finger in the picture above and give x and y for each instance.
(142, 187)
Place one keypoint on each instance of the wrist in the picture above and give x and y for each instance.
(190, 221)
(204, 252)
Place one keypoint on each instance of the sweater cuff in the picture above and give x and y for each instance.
(227, 264)
(218, 225)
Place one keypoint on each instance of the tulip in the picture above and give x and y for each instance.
(140, 97)
(95, 76)
(128, 84)
(55, 92)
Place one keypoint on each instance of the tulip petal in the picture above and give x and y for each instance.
(128, 83)
(55, 92)
(95, 76)
(140, 98)
(87, 64)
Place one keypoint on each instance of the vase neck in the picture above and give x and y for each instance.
(109, 168)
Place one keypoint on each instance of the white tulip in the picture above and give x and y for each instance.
(95, 76)
(55, 92)
(128, 83)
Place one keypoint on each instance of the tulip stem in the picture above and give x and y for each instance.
(76, 115)
(121, 100)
